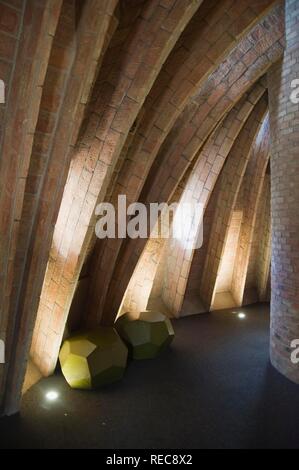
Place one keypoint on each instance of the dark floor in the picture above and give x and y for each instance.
(214, 388)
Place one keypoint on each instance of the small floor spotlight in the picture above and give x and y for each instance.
(52, 395)
(241, 316)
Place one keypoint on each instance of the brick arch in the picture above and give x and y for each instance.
(228, 187)
(197, 185)
(139, 291)
(284, 116)
(199, 268)
(116, 102)
(69, 69)
(257, 283)
(212, 33)
(26, 35)
(175, 260)
(252, 186)
(257, 272)
(199, 188)
(190, 132)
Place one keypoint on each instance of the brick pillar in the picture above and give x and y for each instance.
(284, 116)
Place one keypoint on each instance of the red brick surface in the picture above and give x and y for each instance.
(285, 196)
(31, 25)
(180, 77)
(113, 108)
(197, 120)
(161, 101)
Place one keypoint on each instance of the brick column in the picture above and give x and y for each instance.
(284, 116)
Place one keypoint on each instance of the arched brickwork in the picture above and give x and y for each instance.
(199, 188)
(169, 261)
(230, 183)
(27, 30)
(196, 55)
(160, 100)
(258, 272)
(232, 126)
(198, 120)
(140, 287)
(118, 96)
(251, 187)
(85, 62)
(59, 110)
(284, 114)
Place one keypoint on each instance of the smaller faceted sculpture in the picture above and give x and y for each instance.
(147, 335)
(93, 359)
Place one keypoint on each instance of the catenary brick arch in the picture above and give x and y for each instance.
(258, 278)
(161, 100)
(71, 54)
(27, 33)
(198, 186)
(284, 114)
(229, 186)
(200, 120)
(255, 173)
(251, 191)
(115, 107)
(196, 55)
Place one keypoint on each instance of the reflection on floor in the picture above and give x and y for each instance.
(214, 388)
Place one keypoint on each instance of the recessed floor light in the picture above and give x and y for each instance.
(241, 316)
(52, 395)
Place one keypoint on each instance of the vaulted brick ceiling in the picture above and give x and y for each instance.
(159, 100)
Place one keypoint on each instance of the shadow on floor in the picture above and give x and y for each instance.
(214, 388)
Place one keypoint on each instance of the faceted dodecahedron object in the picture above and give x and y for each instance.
(146, 336)
(93, 359)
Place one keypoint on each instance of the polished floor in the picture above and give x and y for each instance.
(214, 388)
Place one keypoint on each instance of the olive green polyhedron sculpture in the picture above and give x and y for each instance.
(146, 336)
(93, 359)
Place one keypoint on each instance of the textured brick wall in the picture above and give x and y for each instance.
(230, 184)
(224, 279)
(199, 188)
(167, 273)
(119, 93)
(51, 86)
(284, 116)
(77, 55)
(188, 135)
(265, 244)
(213, 32)
(30, 27)
(154, 99)
(11, 19)
(155, 255)
(258, 271)
(252, 187)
